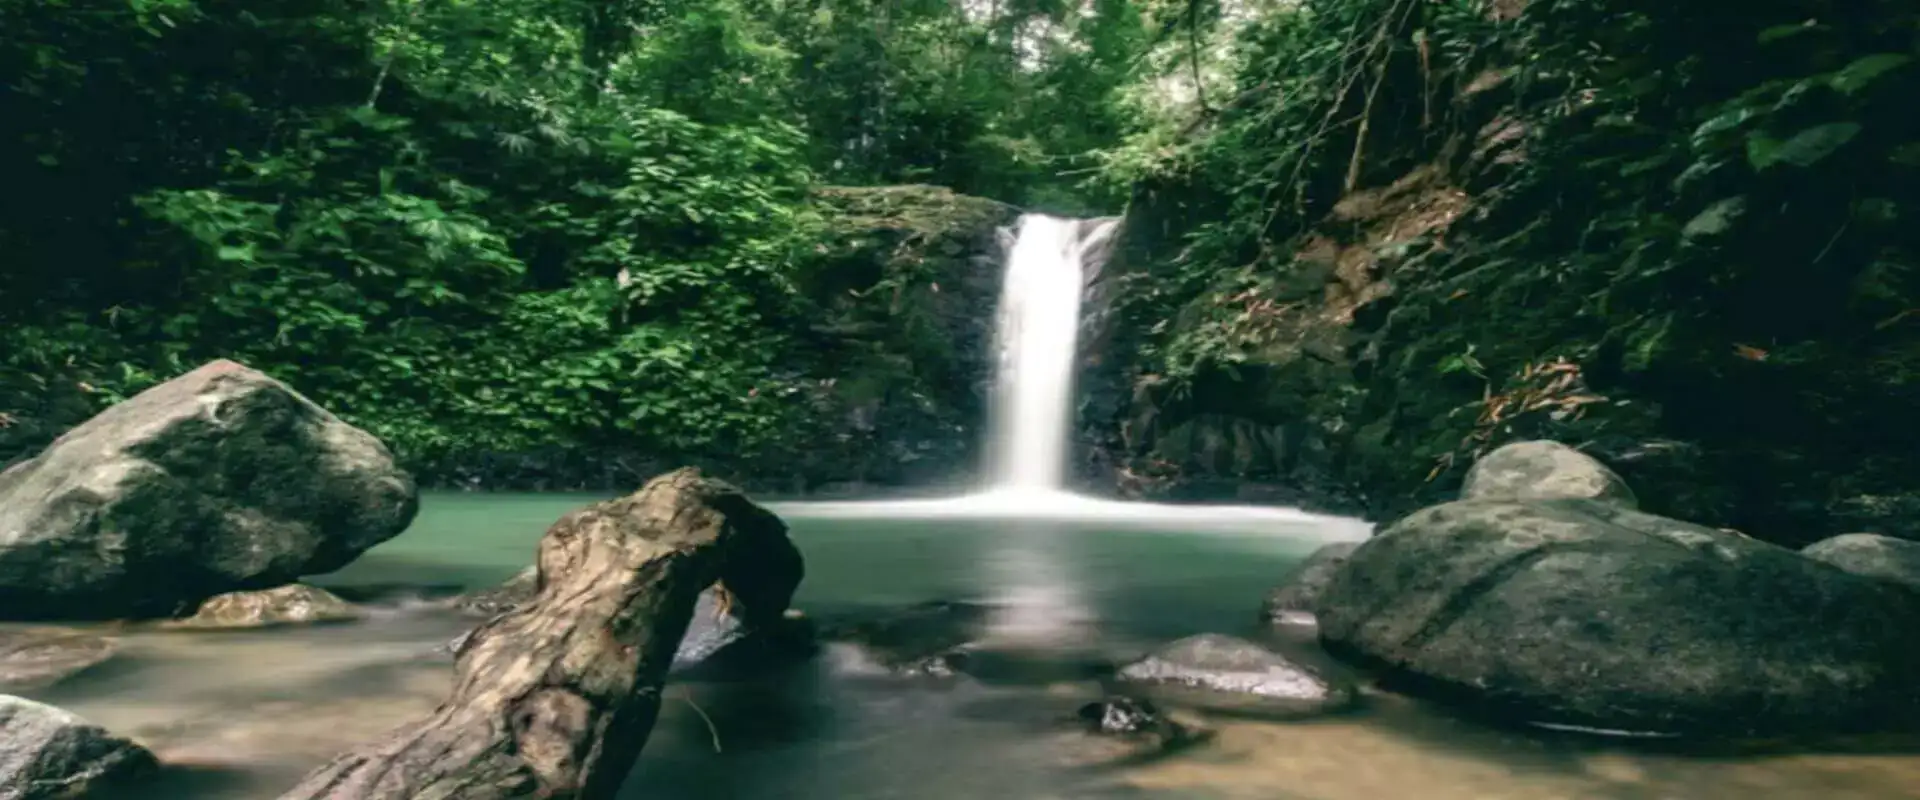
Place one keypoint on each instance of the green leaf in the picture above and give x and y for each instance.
(1865, 70)
(1762, 150)
(1725, 121)
(1779, 32)
(1804, 149)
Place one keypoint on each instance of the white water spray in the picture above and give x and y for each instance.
(1032, 420)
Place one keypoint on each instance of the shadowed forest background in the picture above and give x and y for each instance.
(557, 244)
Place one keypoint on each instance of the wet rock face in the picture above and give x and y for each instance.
(1581, 612)
(1544, 470)
(1870, 555)
(293, 604)
(220, 480)
(1296, 600)
(50, 754)
(1225, 674)
(35, 658)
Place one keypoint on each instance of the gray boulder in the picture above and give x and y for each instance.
(1870, 555)
(1544, 470)
(1225, 674)
(50, 754)
(1297, 599)
(1581, 612)
(220, 480)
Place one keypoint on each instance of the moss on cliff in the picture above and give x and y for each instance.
(901, 285)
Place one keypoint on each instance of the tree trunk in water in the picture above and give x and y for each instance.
(556, 698)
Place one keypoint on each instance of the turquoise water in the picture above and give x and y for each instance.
(242, 716)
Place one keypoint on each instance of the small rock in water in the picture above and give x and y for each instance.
(1225, 674)
(293, 604)
(1297, 599)
(1123, 730)
(50, 754)
(1870, 555)
(35, 658)
(1120, 715)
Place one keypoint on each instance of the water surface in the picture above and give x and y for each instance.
(246, 714)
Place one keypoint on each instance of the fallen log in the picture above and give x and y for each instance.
(556, 698)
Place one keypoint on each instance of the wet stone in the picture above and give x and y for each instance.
(1230, 675)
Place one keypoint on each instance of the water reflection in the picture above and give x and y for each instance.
(1036, 590)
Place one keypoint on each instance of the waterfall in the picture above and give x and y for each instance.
(1038, 333)
(1030, 423)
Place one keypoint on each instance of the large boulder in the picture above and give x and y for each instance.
(220, 480)
(1870, 555)
(50, 754)
(1544, 470)
(1224, 674)
(1581, 612)
(1296, 600)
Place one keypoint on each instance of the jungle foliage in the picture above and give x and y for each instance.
(489, 227)
(1697, 259)
(508, 226)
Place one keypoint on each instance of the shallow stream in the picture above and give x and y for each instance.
(243, 715)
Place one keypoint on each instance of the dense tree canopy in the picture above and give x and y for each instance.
(489, 227)
(420, 211)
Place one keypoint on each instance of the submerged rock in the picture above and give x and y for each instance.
(293, 604)
(1123, 730)
(1222, 673)
(1582, 612)
(35, 658)
(1870, 555)
(1296, 600)
(1544, 470)
(923, 639)
(50, 754)
(222, 479)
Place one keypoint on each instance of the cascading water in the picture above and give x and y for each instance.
(1039, 331)
(1031, 425)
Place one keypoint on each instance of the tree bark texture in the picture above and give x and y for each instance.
(556, 698)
